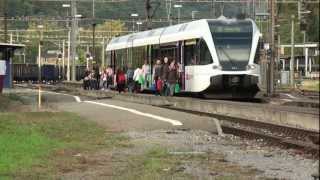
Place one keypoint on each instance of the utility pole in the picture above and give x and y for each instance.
(272, 46)
(63, 58)
(212, 9)
(103, 52)
(148, 14)
(305, 53)
(169, 7)
(93, 36)
(5, 15)
(68, 59)
(74, 32)
(39, 65)
(292, 53)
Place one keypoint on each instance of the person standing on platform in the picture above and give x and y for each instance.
(130, 81)
(121, 80)
(104, 78)
(109, 77)
(146, 71)
(172, 77)
(3, 69)
(86, 80)
(157, 77)
(164, 76)
(97, 77)
(137, 77)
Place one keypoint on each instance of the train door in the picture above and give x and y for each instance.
(113, 60)
(182, 66)
(190, 60)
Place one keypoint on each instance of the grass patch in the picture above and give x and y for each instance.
(30, 139)
(156, 163)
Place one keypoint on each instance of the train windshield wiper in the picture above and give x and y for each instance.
(227, 55)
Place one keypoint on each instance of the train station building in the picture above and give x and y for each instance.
(6, 55)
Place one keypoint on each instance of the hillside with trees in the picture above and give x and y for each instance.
(27, 14)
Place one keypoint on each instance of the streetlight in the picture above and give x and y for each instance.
(179, 6)
(139, 23)
(133, 16)
(305, 50)
(193, 14)
(66, 5)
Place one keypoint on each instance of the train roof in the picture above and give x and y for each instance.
(184, 31)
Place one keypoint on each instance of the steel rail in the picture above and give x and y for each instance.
(285, 136)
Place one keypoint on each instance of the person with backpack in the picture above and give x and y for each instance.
(121, 80)
(130, 81)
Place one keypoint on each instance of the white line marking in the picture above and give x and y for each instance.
(173, 122)
(77, 98)
(290, 96)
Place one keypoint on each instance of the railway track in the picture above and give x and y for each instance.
(304, 141)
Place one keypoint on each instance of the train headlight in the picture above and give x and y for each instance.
(216, 67)
(251, 67)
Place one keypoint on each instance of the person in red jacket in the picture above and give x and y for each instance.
(121, 80)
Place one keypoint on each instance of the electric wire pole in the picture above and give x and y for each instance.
(5, 23)
(74, 32)
(292, 53)
(272, 9)
(93, 36)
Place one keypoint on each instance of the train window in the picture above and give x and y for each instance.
(257, 54)
(205, 56)
(139, 54)
(190, 52)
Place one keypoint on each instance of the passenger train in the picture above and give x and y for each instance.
(218, 57)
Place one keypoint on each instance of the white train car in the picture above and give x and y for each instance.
(218, 56)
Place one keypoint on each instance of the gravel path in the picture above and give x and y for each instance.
(272, 161)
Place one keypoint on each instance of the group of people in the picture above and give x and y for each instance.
(163, 81)
(95, 79)
(166, 76)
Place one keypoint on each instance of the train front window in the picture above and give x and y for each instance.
(232, 42)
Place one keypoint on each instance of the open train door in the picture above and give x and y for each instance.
(181, 69)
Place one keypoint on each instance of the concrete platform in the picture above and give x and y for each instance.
(306, 118)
